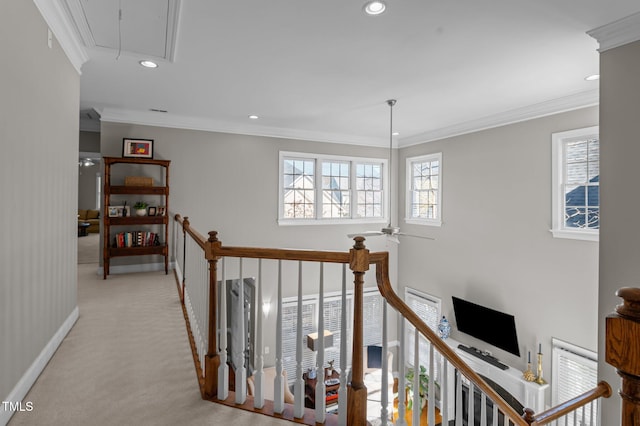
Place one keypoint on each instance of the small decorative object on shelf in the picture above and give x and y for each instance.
(140, 208)
(528, 374)
(539, 380)
(444, 328)
(311, 373)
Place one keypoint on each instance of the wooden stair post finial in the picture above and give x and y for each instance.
(623, 351)
(357, 391)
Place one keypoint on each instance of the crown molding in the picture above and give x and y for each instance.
(57, 17)
(208, 125)
(542, 109)
(617, 33)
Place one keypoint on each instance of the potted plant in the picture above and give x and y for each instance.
(141, 208)
(423, 385)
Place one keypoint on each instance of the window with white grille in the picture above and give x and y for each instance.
(576, 184)
(331, 189)
(424, 188)
(574, 371)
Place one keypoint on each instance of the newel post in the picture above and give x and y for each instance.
(212, 360)
(357, 391)
(623, 351)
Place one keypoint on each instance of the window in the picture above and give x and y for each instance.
(372, 333)
(576, 184)
(348, 189)
(574, 371)
(424, 187)
(427, 307)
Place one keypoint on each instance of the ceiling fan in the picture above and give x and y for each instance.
(392, 232)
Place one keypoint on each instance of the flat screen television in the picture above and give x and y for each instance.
(491, 326)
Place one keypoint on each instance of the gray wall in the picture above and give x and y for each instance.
(620, 151)
(229, 183)
(38, 189)
(494, 247)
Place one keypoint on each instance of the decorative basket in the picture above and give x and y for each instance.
(138, 181)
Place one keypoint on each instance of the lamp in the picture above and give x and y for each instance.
(313, 343)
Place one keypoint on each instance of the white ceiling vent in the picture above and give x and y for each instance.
(141, 27)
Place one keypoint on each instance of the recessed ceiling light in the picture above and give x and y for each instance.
(395, 134)
(592, 77)
(253, 117)
(374, 7)
(148, 64)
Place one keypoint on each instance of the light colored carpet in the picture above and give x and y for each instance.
(89, 248)
(127, 361)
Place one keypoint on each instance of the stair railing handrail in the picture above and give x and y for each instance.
(186, 226)
(602, 389)
(528, 418)
(359, 258)
(384, 286)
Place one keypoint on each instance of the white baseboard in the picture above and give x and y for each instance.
(31, 375)
(132, 269)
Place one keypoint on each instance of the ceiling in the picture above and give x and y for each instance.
(322, 70)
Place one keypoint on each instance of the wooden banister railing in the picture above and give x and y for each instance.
(623, 351)
(201, 281)
(602, 390)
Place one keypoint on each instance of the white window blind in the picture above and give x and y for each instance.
(372, 317)
(427, 307)
(574, 371)
(289, 323)
(333, 322)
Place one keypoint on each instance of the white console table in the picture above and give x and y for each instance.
(529, 394)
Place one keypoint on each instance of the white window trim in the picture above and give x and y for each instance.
(557, 220)
(318, 174)
(409, 175)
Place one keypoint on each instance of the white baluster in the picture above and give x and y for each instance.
(416, 406)
(342, 391)
(431, 391)
(444, 391)
(401, 377)
(239, 355)
(321, 394)
(483, 409)
(471, 403)
(298, 404)
(384, 400)
(495, 414)
(458, 402)
(223, 369)
(278, 382)
(258, 401)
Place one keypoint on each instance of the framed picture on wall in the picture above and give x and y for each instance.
(137, 148)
